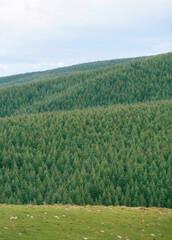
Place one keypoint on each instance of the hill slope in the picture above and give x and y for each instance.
(75, 223)
(139, 81)
(28, 77)
(118, 155)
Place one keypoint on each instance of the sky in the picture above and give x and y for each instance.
(37, 35)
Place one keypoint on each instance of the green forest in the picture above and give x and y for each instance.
(98, 137)
(138, 81)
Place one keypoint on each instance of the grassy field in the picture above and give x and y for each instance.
(75, 222)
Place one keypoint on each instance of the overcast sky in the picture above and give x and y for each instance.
(44, 34)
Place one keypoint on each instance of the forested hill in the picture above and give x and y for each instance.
(112, 146)
(28, 77)
(118, 155)
(138, 81)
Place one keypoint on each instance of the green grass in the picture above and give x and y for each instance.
(77, 222)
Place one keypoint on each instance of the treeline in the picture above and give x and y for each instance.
(110, 156)
(28, 77)
(138, 81)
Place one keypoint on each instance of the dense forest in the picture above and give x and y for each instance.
(115, 155)
(94, 137)
(28, 77)
(138, 81)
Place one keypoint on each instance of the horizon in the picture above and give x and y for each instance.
(22, 73)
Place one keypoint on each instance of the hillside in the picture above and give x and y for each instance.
(138, 81)
(91, 223)
(119, 155)
(28, 77)
(99, 137)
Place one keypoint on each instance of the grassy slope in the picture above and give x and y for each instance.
(144, 80)
(84, 222)
(28, 77)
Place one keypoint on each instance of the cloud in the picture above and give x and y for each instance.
(15, 68)
(44, 66)
(40, 32)
(42, 13)
(163, 47)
